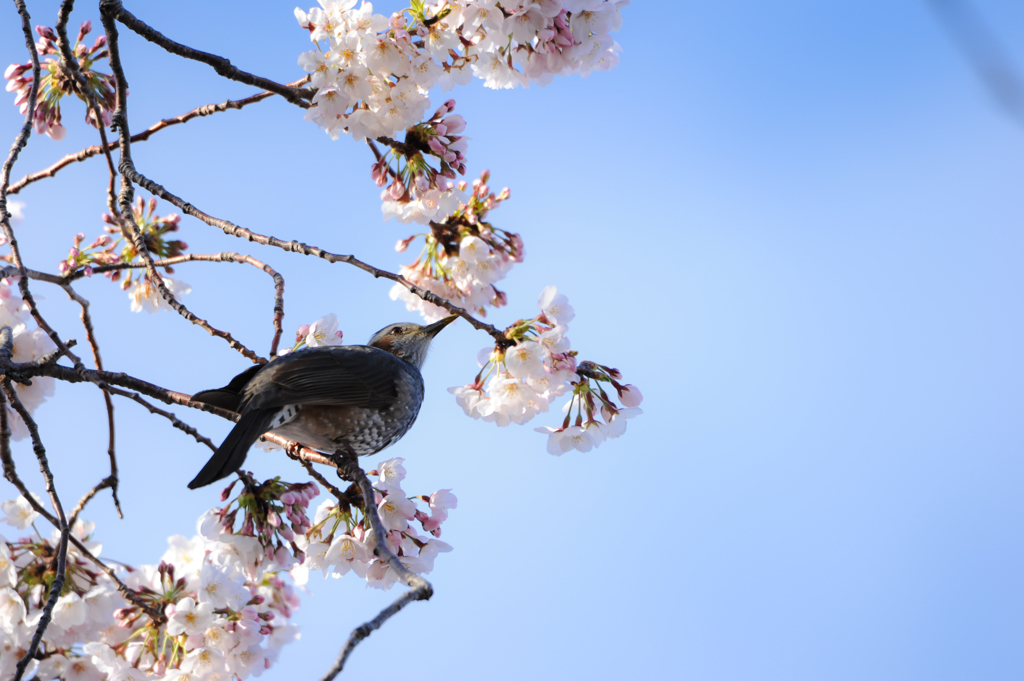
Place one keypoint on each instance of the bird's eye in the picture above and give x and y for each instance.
(396, 331)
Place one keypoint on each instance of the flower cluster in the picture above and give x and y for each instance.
(341, 539)
(112, 248)
(518, 382)
(54, 83)
(373, 76)
(375, 73)
(30, 343)
(462, 257)
(225, 603)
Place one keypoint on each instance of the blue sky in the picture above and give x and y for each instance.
(796, 226)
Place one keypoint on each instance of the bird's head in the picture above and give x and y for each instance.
(409, 341)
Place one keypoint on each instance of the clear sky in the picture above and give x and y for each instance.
(796, 226)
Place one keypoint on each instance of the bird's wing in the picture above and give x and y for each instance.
(230, 396)
(352, 375)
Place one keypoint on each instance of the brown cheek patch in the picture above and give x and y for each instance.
(383, 343)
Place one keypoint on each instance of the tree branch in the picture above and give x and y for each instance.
(226, 256)
(420, 589)
(222, 66)
(89, 152)
(127, 167)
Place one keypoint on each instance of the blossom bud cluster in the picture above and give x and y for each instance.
(225, 604)
(590, 399)
(112, 248)
(413, 190)
(272, 514)
(462, 257)
(54, 84)
(518, 382)
(30, 343)
(341, 540)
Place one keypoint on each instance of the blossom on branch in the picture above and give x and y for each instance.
(55, 84)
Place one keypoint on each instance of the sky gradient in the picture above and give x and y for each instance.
(796, 226)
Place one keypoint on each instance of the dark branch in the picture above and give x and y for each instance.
(222, 66)
(89, 152)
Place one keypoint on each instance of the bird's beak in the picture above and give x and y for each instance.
(435, 328)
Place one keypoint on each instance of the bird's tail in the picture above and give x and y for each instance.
(230, 456)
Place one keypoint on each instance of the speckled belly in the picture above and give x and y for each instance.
(366, 431)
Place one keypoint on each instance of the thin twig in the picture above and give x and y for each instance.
(112, 480)
(89, 152)
(303, 249)
(227, 256)
(420, 589)
(9, 394)
(7, 343)
(108, 11)
(175, 421)
(315, 474)
(222, 66)
(103, 484)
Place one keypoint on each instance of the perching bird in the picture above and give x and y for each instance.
(358, 398)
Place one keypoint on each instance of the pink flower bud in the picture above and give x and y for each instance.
(85, 29)
(63, 266)
(397, 190)
(339, 334)
(403, 244)
(15, 70)
(273, 519)
(46, 32)
(435, 145)
(454, 124)
(630, 396)
(286, 533)
(302, 332)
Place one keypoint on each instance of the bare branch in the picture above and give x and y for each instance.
(127, 167)
(222, 66)
(299, 247)
(227, 256)
(103, 484)
(177, 423)
(89, 152)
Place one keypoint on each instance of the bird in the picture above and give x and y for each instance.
(353, 399)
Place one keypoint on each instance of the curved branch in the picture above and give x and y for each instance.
(226, 256)
(299, 247)
(124, 199)
(222, 66)
(89, 152)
